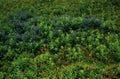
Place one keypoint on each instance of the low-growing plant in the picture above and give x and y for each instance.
(59, 39)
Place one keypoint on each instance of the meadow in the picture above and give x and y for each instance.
(59, 39)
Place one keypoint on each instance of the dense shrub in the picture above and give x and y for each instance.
(64, 40)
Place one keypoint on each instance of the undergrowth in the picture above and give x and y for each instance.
(55, 39)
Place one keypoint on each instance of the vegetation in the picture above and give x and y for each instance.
(59, 39)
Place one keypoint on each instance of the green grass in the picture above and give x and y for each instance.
(59, 39)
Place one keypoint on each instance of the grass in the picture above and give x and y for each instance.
(59, 39)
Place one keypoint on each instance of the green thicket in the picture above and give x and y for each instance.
(59, 39)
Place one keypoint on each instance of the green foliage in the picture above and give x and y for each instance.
(59, 39)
